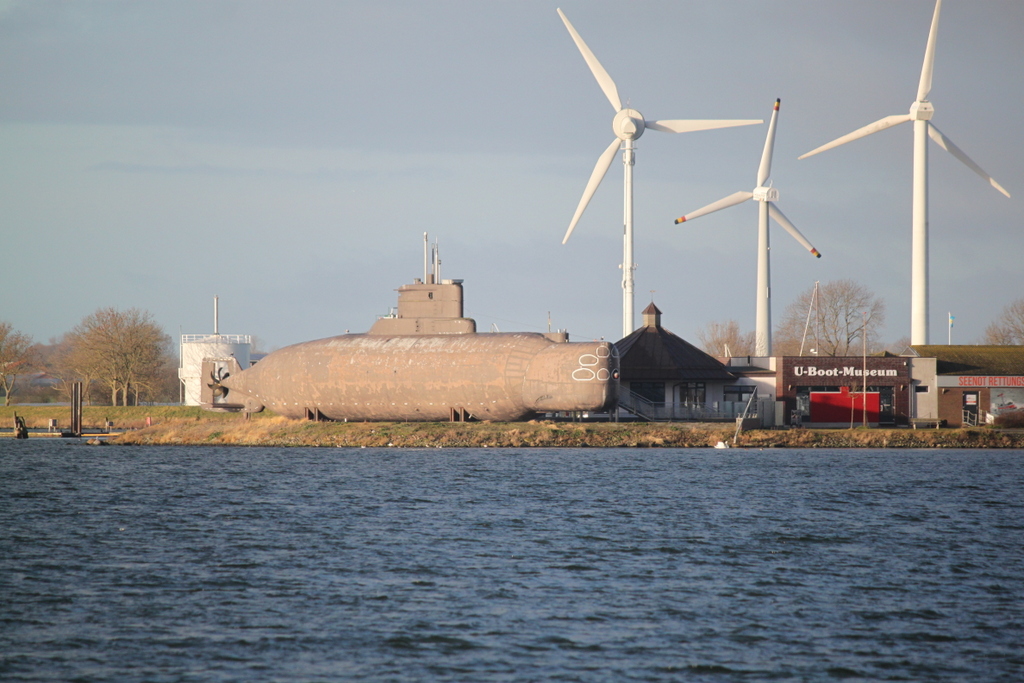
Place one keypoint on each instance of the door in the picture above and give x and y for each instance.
(970, 406)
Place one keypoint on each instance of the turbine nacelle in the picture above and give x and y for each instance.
(628, 124)
(766, 194)
(922, 110)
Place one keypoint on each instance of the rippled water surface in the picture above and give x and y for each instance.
(255, 564)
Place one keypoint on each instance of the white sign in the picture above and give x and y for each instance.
(846, 371)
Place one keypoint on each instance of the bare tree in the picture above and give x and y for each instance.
(69, 364)
(1008, 329)
(15, 357)
(899, 346)
(122, 350)
(725, 339)
(836, 324)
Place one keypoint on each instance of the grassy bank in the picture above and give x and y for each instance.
(280, 431)
(194, 426)
(123, 417)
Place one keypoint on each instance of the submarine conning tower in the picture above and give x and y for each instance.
(432, 306)
(427, 308)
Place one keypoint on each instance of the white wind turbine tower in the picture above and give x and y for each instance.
(921, 112)
(628, 125)
(766, 196)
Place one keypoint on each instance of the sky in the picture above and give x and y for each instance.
(288, 157)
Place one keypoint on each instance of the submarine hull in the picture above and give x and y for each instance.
(501, 377)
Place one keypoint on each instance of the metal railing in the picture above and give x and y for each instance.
(216, 338)
(682, 412)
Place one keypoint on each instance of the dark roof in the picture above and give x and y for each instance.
(654, 353)
(651, 309)
(974, 360)
(749, 370)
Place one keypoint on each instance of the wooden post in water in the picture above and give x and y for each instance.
(20, 430)
(76, 409)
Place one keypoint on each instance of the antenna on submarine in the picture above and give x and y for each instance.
(426, 266)
(437, 263)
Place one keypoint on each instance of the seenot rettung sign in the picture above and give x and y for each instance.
(844, 371)
(980, 381)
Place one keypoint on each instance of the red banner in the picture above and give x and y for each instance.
(840, 406)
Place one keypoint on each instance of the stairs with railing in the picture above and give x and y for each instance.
(645, 409)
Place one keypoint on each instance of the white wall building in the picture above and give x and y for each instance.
(196, 347)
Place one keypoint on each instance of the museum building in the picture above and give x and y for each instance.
(844, 391)
(664, 377)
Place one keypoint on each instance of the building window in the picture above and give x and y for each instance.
(738, 393)
(921, 389)
(803, 398)
(691, 393)
(652, 391)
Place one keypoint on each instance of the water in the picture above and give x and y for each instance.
(265, 564)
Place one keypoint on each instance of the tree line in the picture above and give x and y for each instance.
(121, 358)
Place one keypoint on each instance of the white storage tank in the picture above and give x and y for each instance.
(196, 347)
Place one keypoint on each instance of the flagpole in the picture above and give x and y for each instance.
(864, 376)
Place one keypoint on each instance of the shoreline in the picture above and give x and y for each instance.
(545, 434)
(191, 426)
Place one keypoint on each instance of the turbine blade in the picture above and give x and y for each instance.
(765, 169)
(925, 86)
(691, 125)
(781, 219)
(947, 144)
(878, 125)
(731, 200)
(603, 163)
(603, 79)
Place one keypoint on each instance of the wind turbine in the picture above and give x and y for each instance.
(629, 125)
(766, 196)
(921, 112)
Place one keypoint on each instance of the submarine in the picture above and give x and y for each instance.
(422, 362)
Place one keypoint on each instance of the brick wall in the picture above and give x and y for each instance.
(847, 371)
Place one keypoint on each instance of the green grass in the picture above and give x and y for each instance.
(193, 425)
(123, 417)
